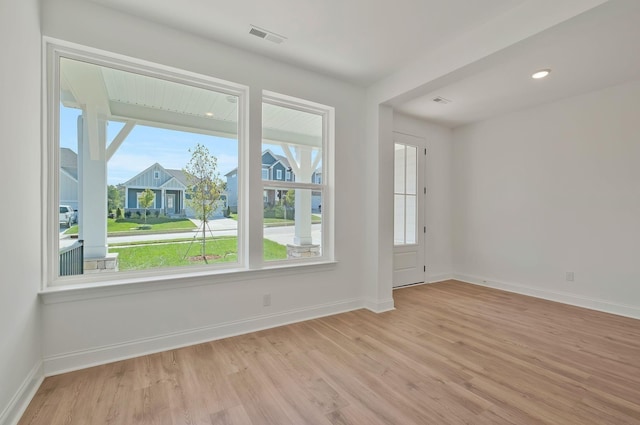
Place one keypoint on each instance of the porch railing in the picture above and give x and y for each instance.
(72, 259)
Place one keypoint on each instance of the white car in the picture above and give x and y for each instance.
(66, 215)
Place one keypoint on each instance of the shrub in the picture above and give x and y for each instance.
(139, 214)
(269, 212)
(156, 213)
(127, 214)
(278, 211)
(118, 212)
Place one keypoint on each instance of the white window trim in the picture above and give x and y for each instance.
(53, 50)
(156, 175)
(250, 264)
(287, 175)
(278, 174)
(327, 188)
(404, 194)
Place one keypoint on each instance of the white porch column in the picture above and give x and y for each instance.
(92, 168)
(303, 197)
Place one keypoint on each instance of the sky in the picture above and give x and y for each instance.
(145, 146)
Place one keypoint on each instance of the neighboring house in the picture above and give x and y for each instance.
(274, 168)
(68, 178)
(170, 189)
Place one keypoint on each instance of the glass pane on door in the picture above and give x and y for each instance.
(405, 191)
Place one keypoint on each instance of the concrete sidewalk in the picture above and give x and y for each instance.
(217, 224)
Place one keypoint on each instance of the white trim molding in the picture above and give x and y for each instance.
(379, 306)
(557, 296)
(15, 409)
(440, 277)
(76, 360)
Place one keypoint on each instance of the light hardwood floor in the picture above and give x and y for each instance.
(451, 353)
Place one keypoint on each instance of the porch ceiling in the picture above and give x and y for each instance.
(126, 96)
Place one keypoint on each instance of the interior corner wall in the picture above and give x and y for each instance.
(550, 190)
(20, 330)
(438, 250)
(91, 331)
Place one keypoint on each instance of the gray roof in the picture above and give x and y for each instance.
(282, 159)
(69, 162)
(180, 175)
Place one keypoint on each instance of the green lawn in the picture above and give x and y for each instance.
(133, 225)
(218, 250)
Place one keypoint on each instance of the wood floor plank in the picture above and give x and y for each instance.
(450, 354)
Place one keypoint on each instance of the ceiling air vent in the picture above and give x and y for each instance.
(441, 100)
(267, 35)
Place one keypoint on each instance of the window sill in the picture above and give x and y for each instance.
(87, 291)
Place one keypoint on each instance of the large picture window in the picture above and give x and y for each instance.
(148, 176)
(145, 163)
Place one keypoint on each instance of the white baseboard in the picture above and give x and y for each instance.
(54, 365)
(18, 404)
(379, 306)
(562, 297)
(441, 277)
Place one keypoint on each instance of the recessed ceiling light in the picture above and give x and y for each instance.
(540, 74)
(209, 114)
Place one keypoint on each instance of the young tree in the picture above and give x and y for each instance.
(289, 201)
(114, 197)
(290, 198)
(204, 188)
(146, 201)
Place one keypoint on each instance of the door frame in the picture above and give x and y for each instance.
(404, 277)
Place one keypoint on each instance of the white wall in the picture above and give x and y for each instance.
(20, 348)
(553, 189)
(438, 205)
(77, 333)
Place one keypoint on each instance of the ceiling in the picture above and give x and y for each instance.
(360, 41)
(364, 41)
(594, 50)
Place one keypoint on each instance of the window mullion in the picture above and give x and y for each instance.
(254, 186)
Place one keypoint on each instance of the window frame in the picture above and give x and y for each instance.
(250, 264)
(53, 51)
(405, 195)
(139, 195)
(326, 189)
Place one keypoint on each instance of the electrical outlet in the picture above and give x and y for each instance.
(266, 300)
(568, 276)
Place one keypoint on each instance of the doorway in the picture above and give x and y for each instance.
(409, 200)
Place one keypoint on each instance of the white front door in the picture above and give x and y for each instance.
(409, 262)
